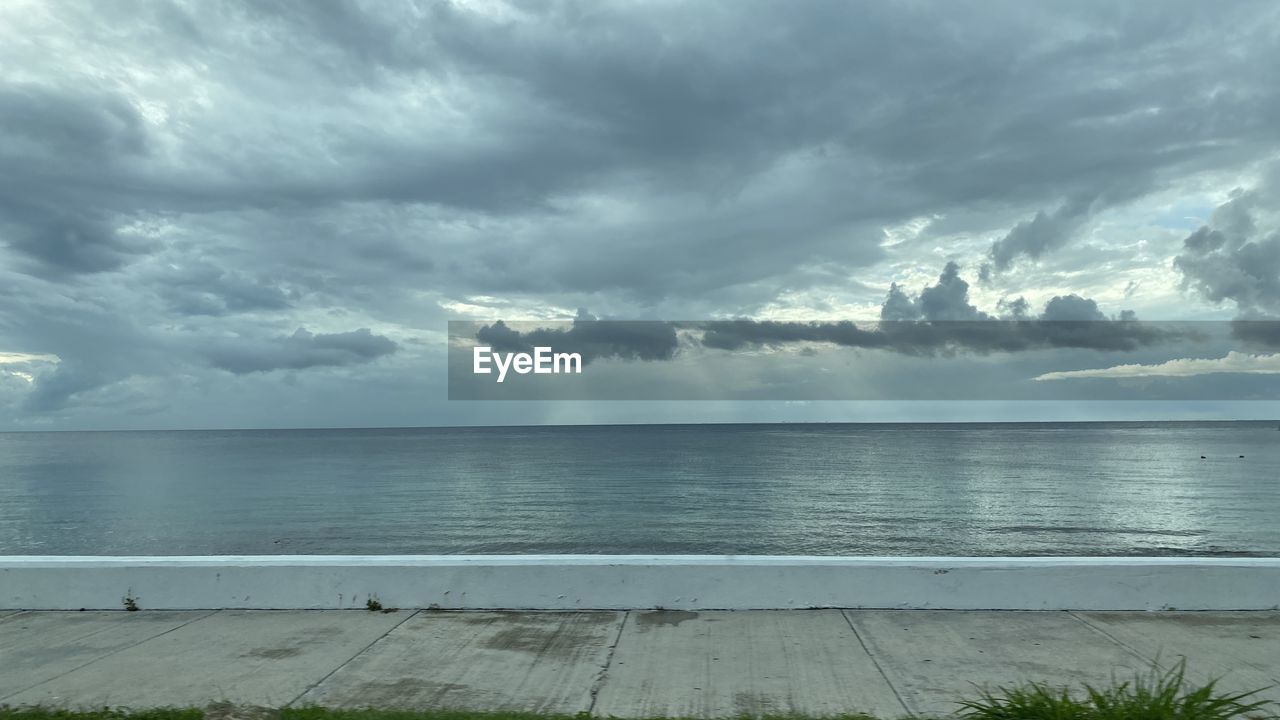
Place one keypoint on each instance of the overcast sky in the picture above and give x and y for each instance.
(263, 214)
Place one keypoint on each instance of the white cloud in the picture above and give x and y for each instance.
(1234, 362)
(17, 358)
(20, 365)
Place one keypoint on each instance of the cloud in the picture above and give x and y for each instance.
(593, 339)
(24, 365)
(942, 320)
(46, 132)
(299, 351)
(17, 358)
(1236, 256)
(1042, 233)
(948, 299)
(203, 289)
(1072, 308)
(48, 122)
(207, 172)
(1233, 363)
(69, 379)
(66, 242)
(1257, 331)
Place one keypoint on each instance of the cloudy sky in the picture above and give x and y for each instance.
(264, 214)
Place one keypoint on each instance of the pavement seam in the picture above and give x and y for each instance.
(601, 676)
(109, 654)
(1124, 645)
(1155, 660)
(876, 663)
(12, 615)
(358, 653)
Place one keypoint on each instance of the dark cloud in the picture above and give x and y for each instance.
(593, 339)
(737, 334)
(899, 306)
(1257, 332)
(53, 144)
(208, 290)
(58, 388)
(887, 113)
(1071, 308)
(946, 300)
(299, 351)
(1236, 257)
(1013, 309)
(1040, 234)
(207, 171)
(85, 126)
(63, 242)
(942, 321)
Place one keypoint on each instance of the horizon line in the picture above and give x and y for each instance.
(646, 424)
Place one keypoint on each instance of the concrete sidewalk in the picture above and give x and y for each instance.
(888, 663)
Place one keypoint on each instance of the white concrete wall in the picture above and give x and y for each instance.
(634, 581)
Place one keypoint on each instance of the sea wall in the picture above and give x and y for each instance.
(560, 582)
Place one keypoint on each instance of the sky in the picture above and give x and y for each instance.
(219, 214)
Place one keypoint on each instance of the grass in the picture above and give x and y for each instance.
(1160, 695)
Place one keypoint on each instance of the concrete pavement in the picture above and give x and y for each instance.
(890, 663)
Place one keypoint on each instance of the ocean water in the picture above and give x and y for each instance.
(987, 489)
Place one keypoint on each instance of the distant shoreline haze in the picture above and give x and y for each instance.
(733, 423)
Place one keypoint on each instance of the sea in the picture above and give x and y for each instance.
(1097, 489)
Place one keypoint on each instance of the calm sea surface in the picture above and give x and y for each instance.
(997, 489)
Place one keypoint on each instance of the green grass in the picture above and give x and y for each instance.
(1160, 695)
